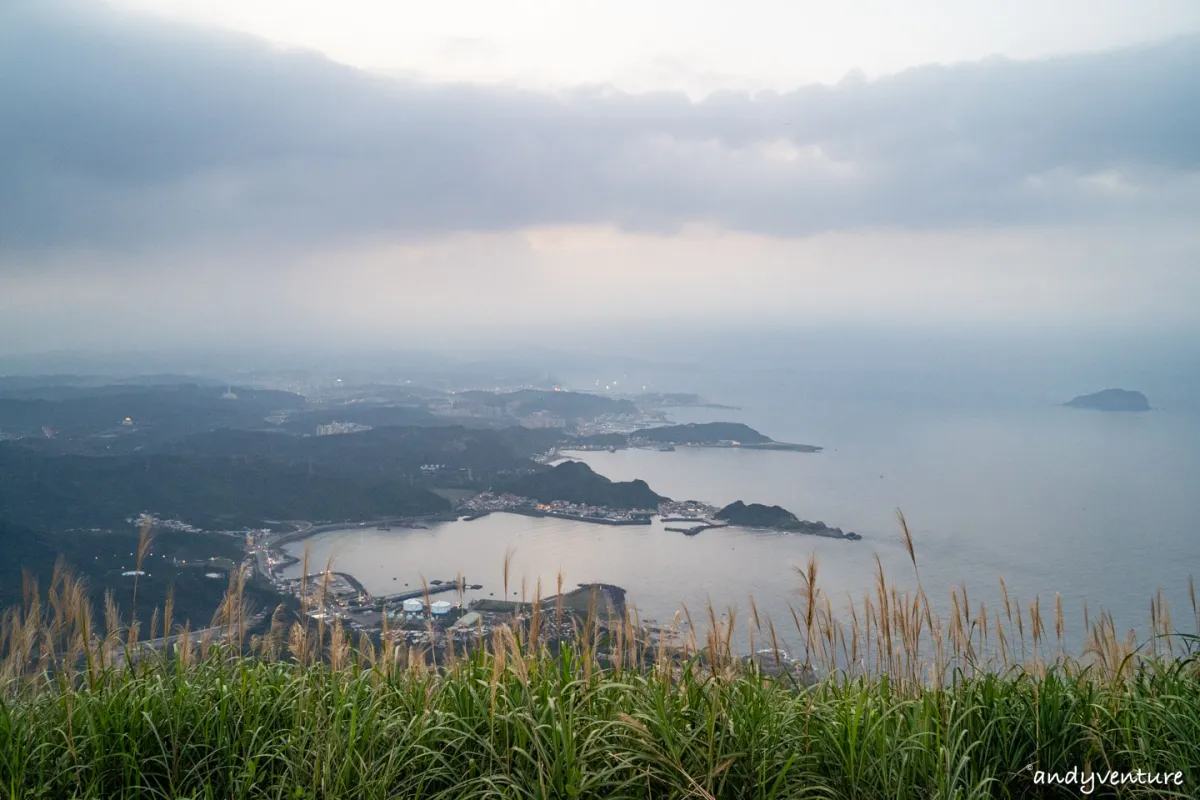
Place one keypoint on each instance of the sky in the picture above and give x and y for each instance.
(371, 172)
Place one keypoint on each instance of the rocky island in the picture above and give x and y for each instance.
(1111, 400)
(757, 515)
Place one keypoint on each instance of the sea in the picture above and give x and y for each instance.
(994, 476)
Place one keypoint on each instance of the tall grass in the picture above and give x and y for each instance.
(893, 701)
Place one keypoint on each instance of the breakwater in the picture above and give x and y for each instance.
(417, 593)
(692, 531)
(533, 512)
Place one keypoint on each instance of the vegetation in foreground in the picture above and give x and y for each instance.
(907, 706)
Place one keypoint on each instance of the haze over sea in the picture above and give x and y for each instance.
(994, 476)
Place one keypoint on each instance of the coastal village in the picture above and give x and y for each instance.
(429, 614)
(451, 612)
(432, 614)
(435, 614)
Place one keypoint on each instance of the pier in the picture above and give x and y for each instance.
(692, 531)
(317, 578)
(419, 593)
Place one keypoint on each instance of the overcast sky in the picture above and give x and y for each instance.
(364, 170)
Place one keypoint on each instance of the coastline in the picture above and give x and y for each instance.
(531, 512)
(827, 533)
(796, 448)
(414, 523)
(777, 446)
(393, 522)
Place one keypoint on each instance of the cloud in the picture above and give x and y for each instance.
(122, 131)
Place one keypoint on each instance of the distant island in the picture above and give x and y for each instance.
(713, 434)
(576, 482)
(1111, 400)
(757, 515)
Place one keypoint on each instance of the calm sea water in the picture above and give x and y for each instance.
(1102, 508)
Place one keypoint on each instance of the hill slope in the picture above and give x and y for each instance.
(576, 482)
(210, 492)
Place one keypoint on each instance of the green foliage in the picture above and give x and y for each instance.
(157, 413)
(576, 482)
(545, 727)
(702, 433)
(210, 492)
(99, 557)
(380, 452)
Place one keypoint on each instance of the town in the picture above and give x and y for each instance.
(422, 615)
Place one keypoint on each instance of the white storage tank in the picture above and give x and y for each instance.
(414, 607)
(440, 608)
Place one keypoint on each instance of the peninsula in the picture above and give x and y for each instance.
(1111, 400)
(576, 482)
(713, 434)
(757, 515)
(678, 399)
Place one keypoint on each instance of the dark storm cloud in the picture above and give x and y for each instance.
(117, 131)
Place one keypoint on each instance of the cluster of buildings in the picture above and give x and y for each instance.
(690, 509)
(334, 588)
(460, 407)
(542, 419)
(336, 428)
(586, 513)
(515, 504)
(165, 524)
(487, 501)
(621, 423)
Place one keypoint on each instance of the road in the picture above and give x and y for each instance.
(197, 637)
